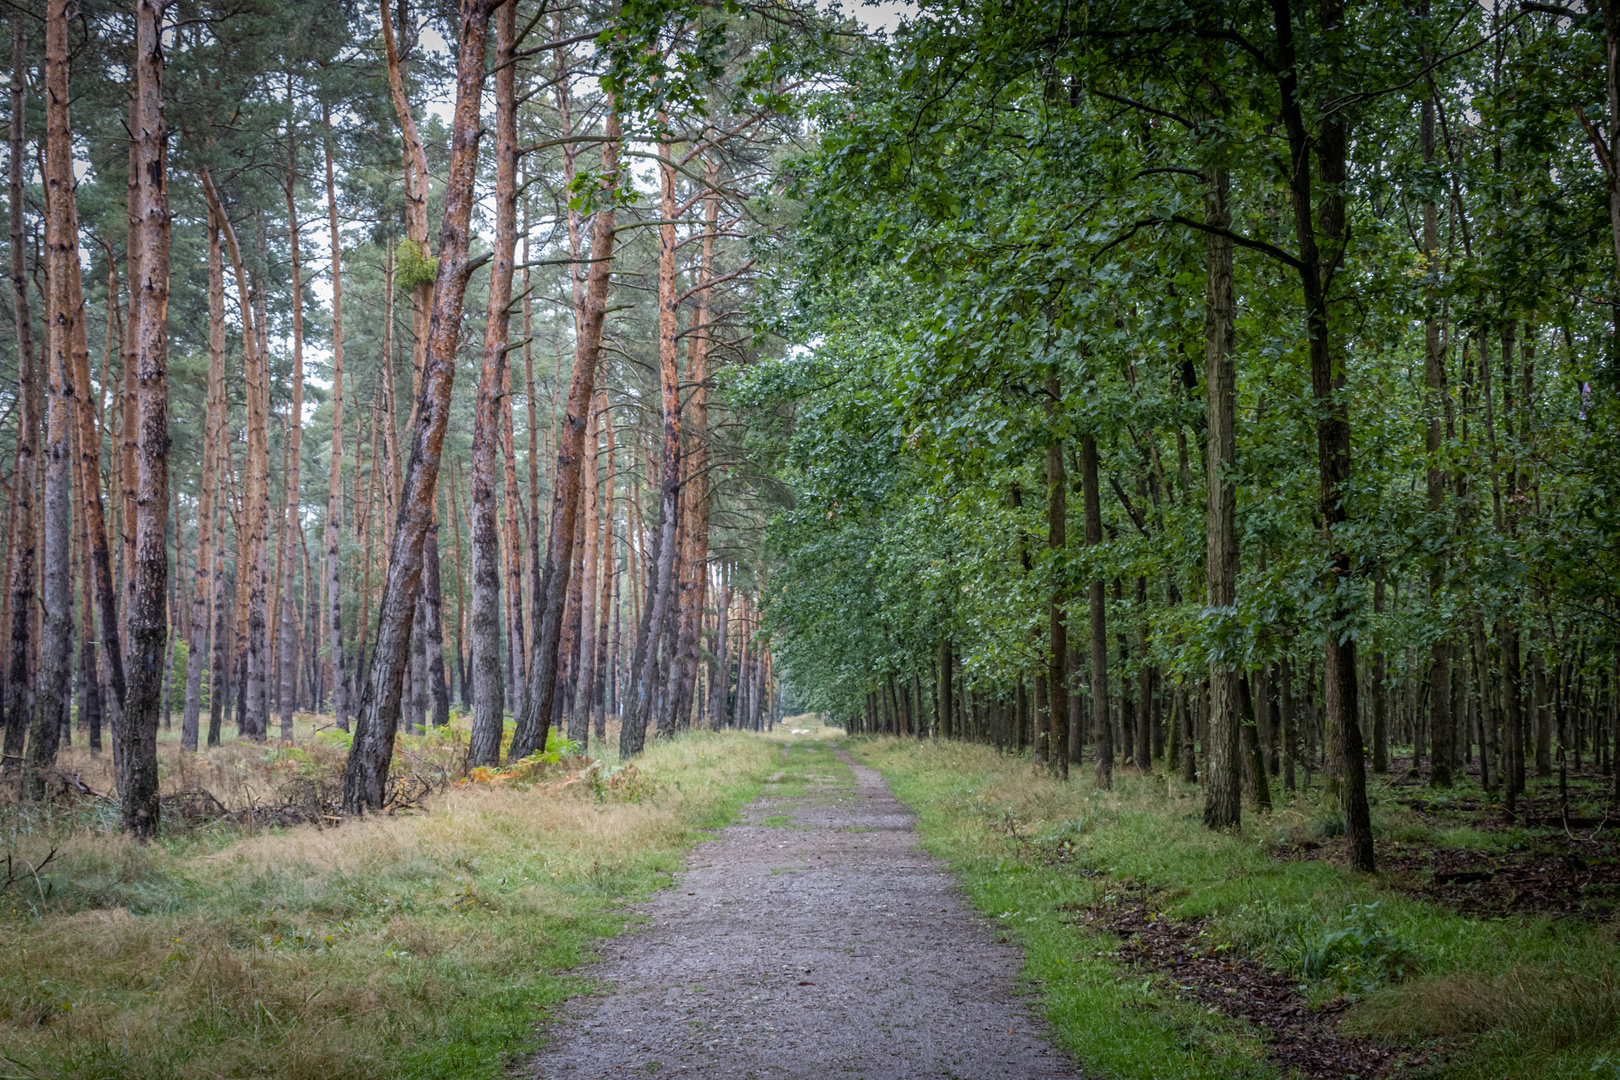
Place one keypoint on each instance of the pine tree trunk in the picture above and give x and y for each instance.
(252, 565)
(489, 692)
(203, 584)
(584, 673)
(334, 489)
(662, 598)
(149, 314)
(376, 722)
(20, 679)
(55, 672)
(290, 525)
(535, 720)
(438, 693)
(519, 647)
(601, 671)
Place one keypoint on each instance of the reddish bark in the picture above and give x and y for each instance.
(535, 721)
(23, 552)
(202, 584)
(645, 681)
(252, 571)
(55, 664)
(149, 319)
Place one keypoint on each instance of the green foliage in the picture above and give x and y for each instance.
(998, 198)
(1361, 954)
(413, 266)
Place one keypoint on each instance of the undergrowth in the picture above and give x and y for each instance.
(1523, 997)
(425, 944)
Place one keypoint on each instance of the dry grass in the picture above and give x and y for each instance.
(421, 944)
(1551, 1004)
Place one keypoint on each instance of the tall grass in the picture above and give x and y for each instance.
(427, 944)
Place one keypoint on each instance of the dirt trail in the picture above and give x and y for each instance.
(812, 940)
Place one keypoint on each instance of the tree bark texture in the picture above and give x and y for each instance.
(376, 722)
(203, 585)
(1223, 796)
(20, 676)
(290, 526)
(252, 555)
(534, 724)
(149, 321)
(55, 673)
(489, 691)
(334, 489)
(646, 684)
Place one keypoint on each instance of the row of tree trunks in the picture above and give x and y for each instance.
(203, 587)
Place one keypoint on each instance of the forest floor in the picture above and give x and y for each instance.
(261, 936)
(1164, 951)
(813, 939)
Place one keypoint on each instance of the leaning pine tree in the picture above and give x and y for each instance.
(377, 719)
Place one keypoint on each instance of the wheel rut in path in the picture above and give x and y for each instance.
(814, 939)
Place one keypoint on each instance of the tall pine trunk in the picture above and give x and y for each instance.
(291, 526)
(55, 670)
(334, 489)
(20, 676)
(647, 685)
(376, 722)
(203, 585)
(535, 721)
(149, 321)
(579, 720)
(489, 693)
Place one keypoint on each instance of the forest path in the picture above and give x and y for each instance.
(813, 939)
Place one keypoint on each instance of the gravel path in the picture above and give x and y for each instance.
(815, 939)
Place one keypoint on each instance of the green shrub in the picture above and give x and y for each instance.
(1359, 956)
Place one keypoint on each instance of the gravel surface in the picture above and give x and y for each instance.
(814, 939)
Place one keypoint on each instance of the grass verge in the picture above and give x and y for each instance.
(423, 945)
(1525, 997)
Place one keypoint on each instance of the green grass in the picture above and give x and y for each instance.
(422, 946)
(1524, 997)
